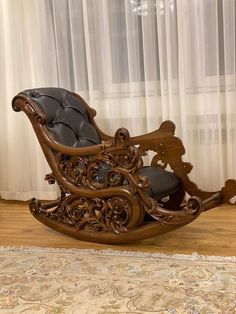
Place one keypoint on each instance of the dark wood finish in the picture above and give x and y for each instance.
(112, 212)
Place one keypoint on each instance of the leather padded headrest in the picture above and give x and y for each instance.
(66, 117)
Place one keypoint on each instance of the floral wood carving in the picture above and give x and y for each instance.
(169, 151)
(118, 162)
(97, 214)
(111, 214)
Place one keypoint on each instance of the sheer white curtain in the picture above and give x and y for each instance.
(27, 60)
(137, 62)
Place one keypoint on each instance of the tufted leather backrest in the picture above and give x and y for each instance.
(66, 117)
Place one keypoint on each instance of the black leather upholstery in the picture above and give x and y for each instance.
(162, 182)
(67, 119)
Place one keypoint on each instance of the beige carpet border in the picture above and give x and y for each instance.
(112, 252)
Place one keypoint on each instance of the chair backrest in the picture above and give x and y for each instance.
(67, 119)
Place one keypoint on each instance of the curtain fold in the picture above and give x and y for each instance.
(137, 62)
(27, 60)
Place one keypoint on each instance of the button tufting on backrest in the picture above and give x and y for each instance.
(66, 117)
(33, 94)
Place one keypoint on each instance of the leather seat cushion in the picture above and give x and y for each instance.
(162, 182)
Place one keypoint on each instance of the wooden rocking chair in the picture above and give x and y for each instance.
(107, 195)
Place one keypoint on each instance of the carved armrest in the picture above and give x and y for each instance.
(116, 158)
(169, 150)
(166, 129)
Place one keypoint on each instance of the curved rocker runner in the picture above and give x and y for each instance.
(107, 195)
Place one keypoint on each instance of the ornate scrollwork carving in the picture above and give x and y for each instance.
(104, 171)
(50, 178)
(35, 206)
(121, 137)
(154, 210)
(115, 165)
(97, 214)
(157, 162)
(29, 109)
(169, 151)
(74, 168)
(194, 206)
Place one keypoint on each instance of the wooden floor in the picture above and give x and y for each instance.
(213, 233)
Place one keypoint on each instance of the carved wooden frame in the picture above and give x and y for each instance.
(114, 212)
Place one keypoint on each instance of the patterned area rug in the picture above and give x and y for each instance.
(38, 280)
